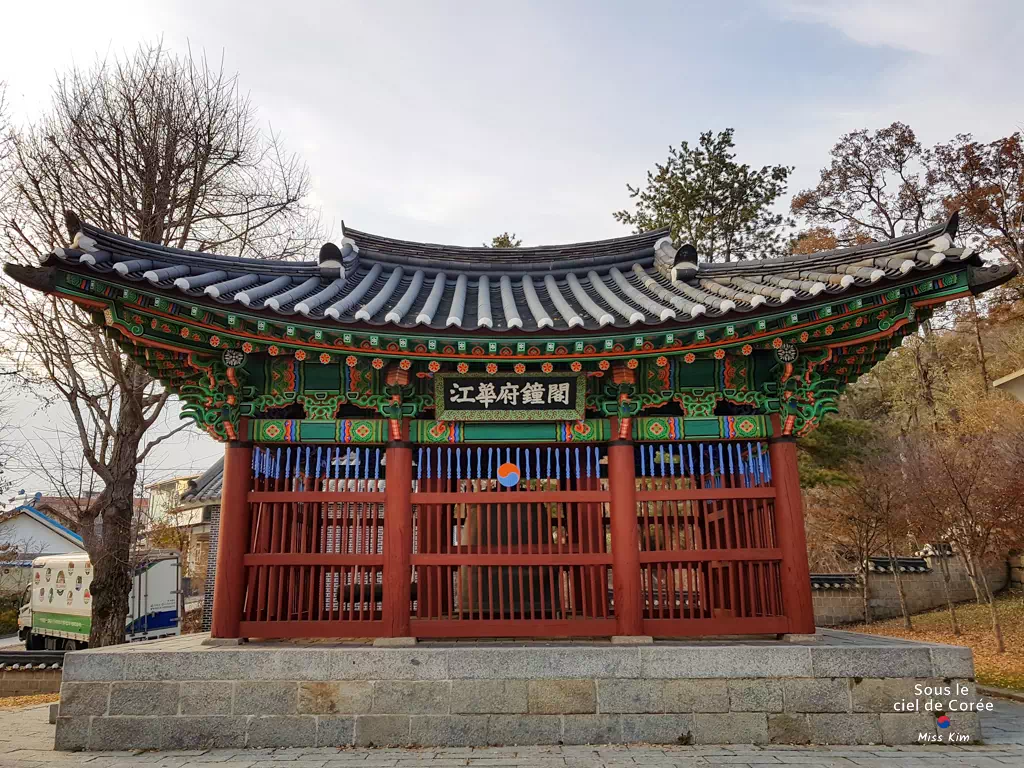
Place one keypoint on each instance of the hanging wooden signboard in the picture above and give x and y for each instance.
(510, 397)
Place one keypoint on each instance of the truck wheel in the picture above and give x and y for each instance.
(70, 645)
(33, 642)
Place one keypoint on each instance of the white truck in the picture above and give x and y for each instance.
(58, 615)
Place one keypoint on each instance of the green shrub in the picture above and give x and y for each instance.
(8, 621)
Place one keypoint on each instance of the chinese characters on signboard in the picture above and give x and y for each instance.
(509, 397)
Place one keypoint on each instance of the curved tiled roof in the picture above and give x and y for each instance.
(206, 487)
(619, 283)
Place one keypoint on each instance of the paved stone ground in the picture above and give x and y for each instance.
(26, 741)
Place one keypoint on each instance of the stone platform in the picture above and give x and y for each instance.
(837, 688)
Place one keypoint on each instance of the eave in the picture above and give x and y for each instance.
(622, 286)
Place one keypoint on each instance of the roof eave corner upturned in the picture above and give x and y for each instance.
(985, 277)
(42, 278)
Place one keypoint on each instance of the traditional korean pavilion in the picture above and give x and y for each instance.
(580, 440)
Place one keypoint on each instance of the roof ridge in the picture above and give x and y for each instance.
(910, 241)
(652, 234)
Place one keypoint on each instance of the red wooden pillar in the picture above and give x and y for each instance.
(398, 535)
(625, 536)
(233, 538)
(789, 519)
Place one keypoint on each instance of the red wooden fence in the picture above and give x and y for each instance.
(535, 559)
(709, 558)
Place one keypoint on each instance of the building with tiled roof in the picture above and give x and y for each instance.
(382, 404)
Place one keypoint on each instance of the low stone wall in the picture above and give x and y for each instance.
(833, 607)
(1017, 570)
(28, 682)
(283, 695)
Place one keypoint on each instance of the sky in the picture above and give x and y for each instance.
(455, 121)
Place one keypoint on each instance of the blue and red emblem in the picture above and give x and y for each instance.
(508, 474)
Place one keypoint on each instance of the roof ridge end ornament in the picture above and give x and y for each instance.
(945, 241)
(81, 241)
(685, 265)
(665, 256)
(73, 223)
(344, 259)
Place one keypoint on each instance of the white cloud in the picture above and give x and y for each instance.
(930, 27)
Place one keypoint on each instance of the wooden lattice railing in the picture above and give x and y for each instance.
(496, 561)
(316, 557)
(473, 558)
(710, 562)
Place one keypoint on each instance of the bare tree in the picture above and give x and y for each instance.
(854, 528)
(874, 189)
(974, 484)
(864, 510)
(954, 623)
(895, 531)
(985, 182)
(160, 148)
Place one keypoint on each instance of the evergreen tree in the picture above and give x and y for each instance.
(725, 209)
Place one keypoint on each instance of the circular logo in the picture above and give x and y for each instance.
(942, 721)
(787, 353)
(508, 474)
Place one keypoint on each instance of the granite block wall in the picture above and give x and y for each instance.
(691, 694)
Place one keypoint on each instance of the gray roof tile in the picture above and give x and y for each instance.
(586, 285)
(207, 487)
